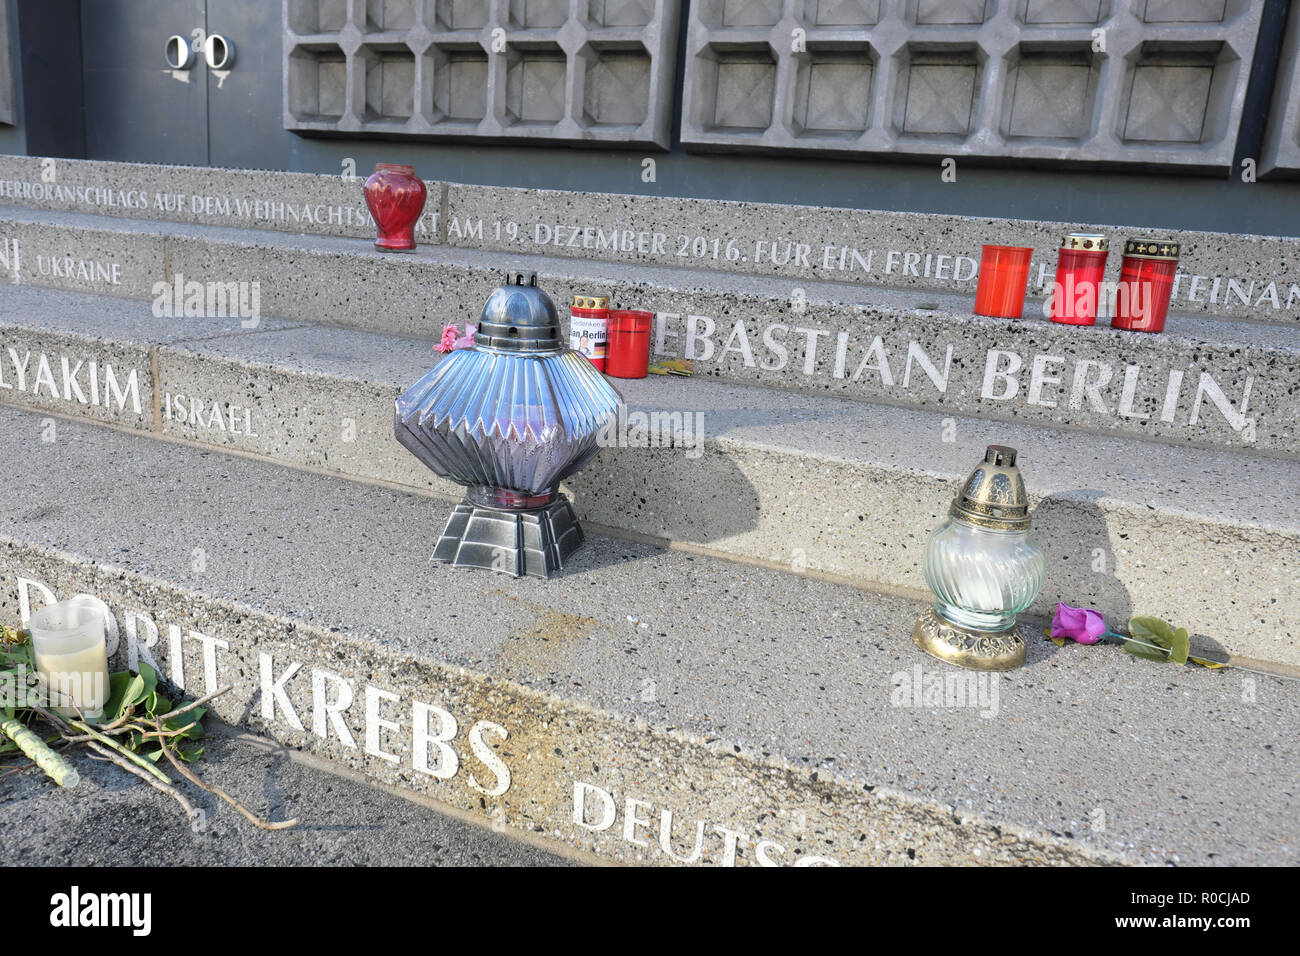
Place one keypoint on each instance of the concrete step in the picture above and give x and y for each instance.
(1205, 381)
(809, 484)
(1227, 275)
(668, 698)
(114, 819)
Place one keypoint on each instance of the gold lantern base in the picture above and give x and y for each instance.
(966, 647)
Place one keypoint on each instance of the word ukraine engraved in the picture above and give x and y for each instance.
(72, 268)
(84, 381)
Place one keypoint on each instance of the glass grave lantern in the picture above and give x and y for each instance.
(983, 569)
(509, 418)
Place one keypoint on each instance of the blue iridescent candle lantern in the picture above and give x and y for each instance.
(509, 418)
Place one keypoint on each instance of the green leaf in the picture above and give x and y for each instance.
(154, 756)
(125, 690)
(1182, 645)
(189, 722)
(190, 755)
(1149, 630)
(149, 676)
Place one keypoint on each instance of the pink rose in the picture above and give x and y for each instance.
(448, 339)
(1080, 624)
(465, 341)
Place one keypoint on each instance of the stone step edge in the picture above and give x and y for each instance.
(215, 726)
(471, 202)
(978, 840)
(198, 347)
(447, 493)
(838, 559)
(953, 305)
(1194, 387)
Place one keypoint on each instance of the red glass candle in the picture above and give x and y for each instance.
(629, 343)
(1080, 269)
(1146, 282)
(396, 198)
(589, 327)
(1004, 276)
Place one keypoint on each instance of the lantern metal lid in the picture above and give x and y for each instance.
(993, 496)
(519, 317)
(509, 418)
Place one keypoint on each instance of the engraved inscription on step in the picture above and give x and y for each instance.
(991, 377)
(955, 268)
(67, 379)
(208, 415)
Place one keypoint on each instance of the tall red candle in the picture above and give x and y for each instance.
(1146, 282)
(1080, 269)
(1004, 276)
(629, 343)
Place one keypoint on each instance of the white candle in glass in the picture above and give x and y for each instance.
(71, 655)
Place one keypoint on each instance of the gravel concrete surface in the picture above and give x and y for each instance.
(115, 819)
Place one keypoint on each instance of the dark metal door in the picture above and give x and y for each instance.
(245, 118)
(137, 108)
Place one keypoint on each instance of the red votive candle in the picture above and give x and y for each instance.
(629, 343)
(1004, 275)
(1080, 269)
(589, 327)
(395, 197)
(1146, 282)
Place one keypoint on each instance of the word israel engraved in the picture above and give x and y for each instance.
(208, 414)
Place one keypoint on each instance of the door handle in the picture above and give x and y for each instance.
(218, 52)
(178, 53)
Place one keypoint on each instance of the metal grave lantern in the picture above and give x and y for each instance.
(983, 568)
(510, 418)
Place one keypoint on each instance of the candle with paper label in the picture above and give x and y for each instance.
(589, 328)
(71, 655)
